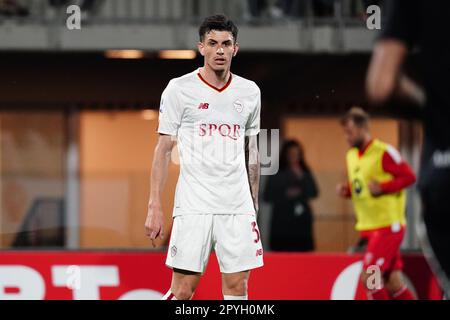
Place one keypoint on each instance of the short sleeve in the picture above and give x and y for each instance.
(170, 111)
(253, 124)
(401, 21)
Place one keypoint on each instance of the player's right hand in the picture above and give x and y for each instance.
(342, 190)
(154, 224)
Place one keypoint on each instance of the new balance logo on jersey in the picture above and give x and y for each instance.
(224, 129)
(259, 252)
(203, 106)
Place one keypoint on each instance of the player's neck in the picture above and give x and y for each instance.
(366, 142)
(215, 78)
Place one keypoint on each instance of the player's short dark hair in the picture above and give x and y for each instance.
(217, 22)
(358, 116)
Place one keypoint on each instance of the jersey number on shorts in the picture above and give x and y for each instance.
(255, 231)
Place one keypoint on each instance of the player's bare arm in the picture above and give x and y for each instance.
(411, 91)
(154, 224)
(253, 167)
(385, 79)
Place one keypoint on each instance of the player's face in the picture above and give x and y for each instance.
(218, 48)
(353, 134)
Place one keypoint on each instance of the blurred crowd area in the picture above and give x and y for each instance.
(18, 8)
(249, 11)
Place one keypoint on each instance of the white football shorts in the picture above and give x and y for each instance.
(234, 237)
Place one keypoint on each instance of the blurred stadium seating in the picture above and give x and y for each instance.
(156, 24)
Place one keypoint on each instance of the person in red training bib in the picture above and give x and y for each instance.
(377, 179)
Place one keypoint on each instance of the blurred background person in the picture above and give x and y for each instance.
(377, 179)
(13, 8)
(323, 7)
(256, 7)
(265, 9)
(290, 192)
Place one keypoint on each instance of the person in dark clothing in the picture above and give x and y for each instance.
(85, 5)
(423, 25)
(256, 7)
(289, 191)
(13, 8)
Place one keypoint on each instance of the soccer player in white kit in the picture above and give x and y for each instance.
(214, 116)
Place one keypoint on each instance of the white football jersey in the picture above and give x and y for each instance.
(210, 125)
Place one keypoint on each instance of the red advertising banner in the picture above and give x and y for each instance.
(138, 275)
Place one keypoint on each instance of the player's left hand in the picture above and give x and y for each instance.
(375, 188)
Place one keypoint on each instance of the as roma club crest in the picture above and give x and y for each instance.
(239, 106)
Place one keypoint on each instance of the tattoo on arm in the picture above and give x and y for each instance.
(253, 167)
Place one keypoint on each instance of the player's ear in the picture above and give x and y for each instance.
(201, 48)
(236, 49)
